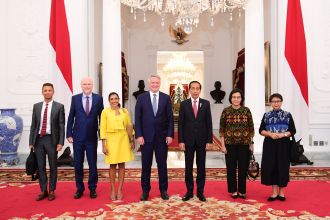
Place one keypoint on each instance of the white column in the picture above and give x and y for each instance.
(255, 64)
(111, 49)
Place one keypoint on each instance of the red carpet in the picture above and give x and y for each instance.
(304, 198)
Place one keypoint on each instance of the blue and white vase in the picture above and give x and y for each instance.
(11, 128)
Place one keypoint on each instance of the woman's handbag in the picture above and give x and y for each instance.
(294, 151)
(253, 169)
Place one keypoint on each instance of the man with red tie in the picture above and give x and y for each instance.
(47, 138)
(195, 135)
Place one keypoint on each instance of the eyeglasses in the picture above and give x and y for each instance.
(276, 101)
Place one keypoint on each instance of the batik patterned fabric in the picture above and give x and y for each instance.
(277, 121)
(236, 125)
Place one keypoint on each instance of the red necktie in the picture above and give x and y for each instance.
(87, 105)
(195, 108)
(44, 122)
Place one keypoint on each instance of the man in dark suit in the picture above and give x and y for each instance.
(195, 134)
(82, 131)
(154, 129)
(47, 138)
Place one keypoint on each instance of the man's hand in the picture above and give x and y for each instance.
(70, 140)
(30, 146)
(182, 146)
(59, 147)
(140, 140)
(208, 146)
(169, 140)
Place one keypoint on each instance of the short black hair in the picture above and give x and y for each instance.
(47, 84)
(113, 93)
(236, 90)
(200, 85)
(276, 95)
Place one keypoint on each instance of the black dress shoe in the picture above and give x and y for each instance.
(281, 198)
(234, 195)
(92, 194)
(78, 194)
(164, 195)
(187, 196)
(271, 199)
(41, 196)
(144, 196)
(201, 197)
(51, 195)
(243, 196)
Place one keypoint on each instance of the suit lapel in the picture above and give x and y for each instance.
(38, 109)
(190, 107)
(81, 102)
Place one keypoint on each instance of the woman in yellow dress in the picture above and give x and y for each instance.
(117, 141)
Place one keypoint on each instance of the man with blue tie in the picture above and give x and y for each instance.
(82, 131)
(154, 129)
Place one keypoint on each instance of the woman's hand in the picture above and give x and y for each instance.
(223, 149)
(132, 145)
(251, 147)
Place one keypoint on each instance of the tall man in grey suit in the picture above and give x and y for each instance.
(195, 135)
(47, 138)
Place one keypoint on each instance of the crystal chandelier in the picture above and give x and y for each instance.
(186, 12)
(179, 69)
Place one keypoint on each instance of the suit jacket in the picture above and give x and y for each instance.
(82, 127)
(193, 130)
(149, 126)
(57, 123)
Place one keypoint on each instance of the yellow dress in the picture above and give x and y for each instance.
(113, 129)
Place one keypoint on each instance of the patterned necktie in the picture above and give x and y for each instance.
(44, 122)
(195, 108)
(154, 104)
(87, 105)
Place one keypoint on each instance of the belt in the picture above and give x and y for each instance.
(41, 136)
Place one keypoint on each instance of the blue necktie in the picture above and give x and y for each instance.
(154, 104)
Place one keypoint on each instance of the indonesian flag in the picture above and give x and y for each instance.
(60, 39)
(293, 74)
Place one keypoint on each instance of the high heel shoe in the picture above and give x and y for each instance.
(119, 196)
(281, 198)
(113, 197)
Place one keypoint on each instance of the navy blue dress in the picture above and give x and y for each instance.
(275, 163)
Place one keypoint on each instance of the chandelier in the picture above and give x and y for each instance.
(186, 12)
(179, 69)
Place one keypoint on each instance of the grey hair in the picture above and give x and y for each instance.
(154, 75)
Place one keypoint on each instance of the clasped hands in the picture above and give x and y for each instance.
(276, 135)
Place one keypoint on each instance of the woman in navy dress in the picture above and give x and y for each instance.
(277, 126)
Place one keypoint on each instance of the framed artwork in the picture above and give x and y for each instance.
(267, 72)
(178, 94)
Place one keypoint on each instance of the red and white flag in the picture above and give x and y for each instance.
(59, 38)
(293, 71)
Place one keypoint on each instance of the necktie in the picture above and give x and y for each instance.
(154, 104)
(87, 105)
(44, 122)
(195, 108)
